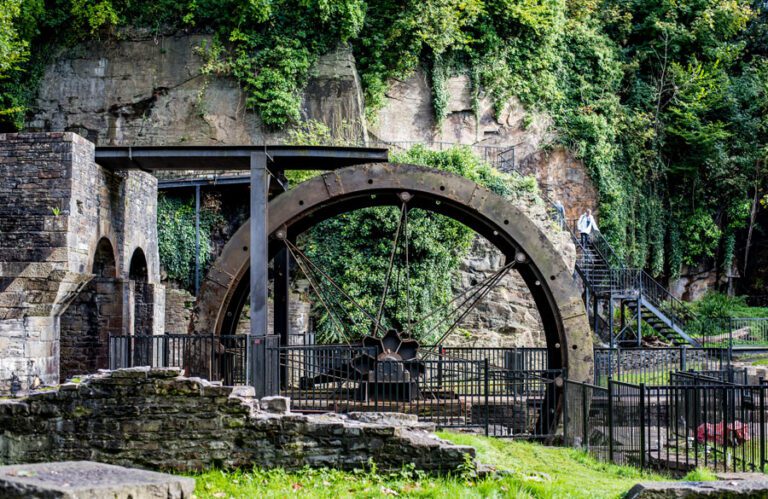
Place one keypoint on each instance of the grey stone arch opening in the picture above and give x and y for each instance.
(142, 303)
(551, 284)
(94, 314)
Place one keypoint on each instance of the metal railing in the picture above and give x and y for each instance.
(694, 421)
(500, 157)
(452, 388)
(215, 358)
(652, 366)
(733, 332)
(513, 358)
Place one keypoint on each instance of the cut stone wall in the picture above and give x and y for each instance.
(56, 206)
(154, 418)
(179, 304)
(92, 317)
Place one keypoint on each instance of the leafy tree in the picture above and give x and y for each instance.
(354, 249)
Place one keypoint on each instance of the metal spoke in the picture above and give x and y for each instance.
(472, 305)
(334, 320)
(338, 288)
(407, 278)
(472, 290)
(389, 271)
(476, 296)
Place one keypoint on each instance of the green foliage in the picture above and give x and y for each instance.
(529, 470)
(666, 102)
(176, 237)
(719, 305)
(13, 48)
(354, 249)
(700, 475)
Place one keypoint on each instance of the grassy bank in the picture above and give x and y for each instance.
(528, 470)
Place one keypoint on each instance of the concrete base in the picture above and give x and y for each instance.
(89, 480)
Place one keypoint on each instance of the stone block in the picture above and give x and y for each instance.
(697, 490)
(276, 404)
(89, 480)
(164, 372)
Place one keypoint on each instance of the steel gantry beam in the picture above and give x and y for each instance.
(262, 163)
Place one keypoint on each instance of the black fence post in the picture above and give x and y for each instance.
(642, 425)
(730, 339)
(610, 419)
(565, 411)
(585, 415)
(487, 389)
(440, 353)
(761, 385)
(684, 358)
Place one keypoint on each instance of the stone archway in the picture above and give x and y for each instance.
(550, 282)
(94, 315)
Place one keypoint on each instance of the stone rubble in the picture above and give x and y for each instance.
(157, 419)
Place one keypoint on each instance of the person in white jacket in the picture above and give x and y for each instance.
(586, 225)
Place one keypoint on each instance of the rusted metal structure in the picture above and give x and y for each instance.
(356, 178)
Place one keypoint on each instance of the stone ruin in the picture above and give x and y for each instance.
(155, 418)
(78, 258)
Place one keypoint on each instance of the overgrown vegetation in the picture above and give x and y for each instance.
(665, 101)
(354, 249)
(529, 470)
(176, 237)
(715, 305)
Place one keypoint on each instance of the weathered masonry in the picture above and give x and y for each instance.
(155, 418)
(78, 257)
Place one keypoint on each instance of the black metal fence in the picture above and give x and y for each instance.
(653, 365)
(216, 358)
(696, 420)
(733, 332)
(453, 389)
(515, 358)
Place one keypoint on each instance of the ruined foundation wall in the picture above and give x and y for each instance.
(154, 418)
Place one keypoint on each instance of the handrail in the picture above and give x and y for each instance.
(625, 280)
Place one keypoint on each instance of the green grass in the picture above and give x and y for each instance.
(528, 470)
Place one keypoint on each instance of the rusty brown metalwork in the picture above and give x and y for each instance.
(557, 297)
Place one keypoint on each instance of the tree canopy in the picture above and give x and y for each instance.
(666, 101)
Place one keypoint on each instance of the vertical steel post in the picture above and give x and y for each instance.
(610, 315)
(257, 355)
(639, 320)
(642, 425)
(684, 358)
(596, 317)
(487, 389)
(282, 304)
(566, 416)
(197, 239)
(761, 417)
(610, 420)
(585, 416)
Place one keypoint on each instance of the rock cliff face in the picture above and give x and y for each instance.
(150, 90)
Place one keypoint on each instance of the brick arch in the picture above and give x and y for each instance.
(550, 282)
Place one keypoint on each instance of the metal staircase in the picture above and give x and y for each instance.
(609, 286)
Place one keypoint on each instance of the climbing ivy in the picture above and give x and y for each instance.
(354, 249)
(665, 102)
(176, 237)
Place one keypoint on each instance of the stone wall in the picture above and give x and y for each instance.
(154, 418)
(56, 206)
(166, 100)
(507, 317)
(178, 310)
